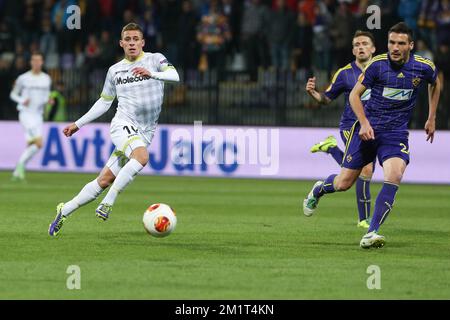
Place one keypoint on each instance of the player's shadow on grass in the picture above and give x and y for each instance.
(330, 244)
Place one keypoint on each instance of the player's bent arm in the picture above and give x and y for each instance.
(434, 91)
(324, 99)
(99, 108)
(169, 75)
(356, 103)
(366, 131)
(319, 97)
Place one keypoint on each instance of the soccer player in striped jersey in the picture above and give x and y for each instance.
(382, 127)
(342, 83)
(31, 92)
(138, 83)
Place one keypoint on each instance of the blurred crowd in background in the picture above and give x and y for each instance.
(206, 33)
(224, 35)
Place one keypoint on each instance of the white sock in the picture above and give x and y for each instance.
(125, 176)
(89, 193)
(29, 152)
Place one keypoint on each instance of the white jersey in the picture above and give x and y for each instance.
(33, 88)
(139, 97)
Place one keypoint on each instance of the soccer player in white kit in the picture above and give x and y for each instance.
(138, 83)
(31, 92)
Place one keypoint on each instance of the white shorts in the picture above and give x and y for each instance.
(32, 124)
(126, 137)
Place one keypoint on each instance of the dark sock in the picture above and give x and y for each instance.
(326, 187)
(337, 154)
(363, 198)
(383, 205)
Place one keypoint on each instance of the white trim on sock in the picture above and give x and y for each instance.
(126, 176)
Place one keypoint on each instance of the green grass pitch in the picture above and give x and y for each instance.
(235, 239)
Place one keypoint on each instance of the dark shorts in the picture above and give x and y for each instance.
(387, 144)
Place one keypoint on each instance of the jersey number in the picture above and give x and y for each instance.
(128, 129)
(404, 149)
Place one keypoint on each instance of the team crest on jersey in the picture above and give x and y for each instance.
(416, 82)
(349, 158)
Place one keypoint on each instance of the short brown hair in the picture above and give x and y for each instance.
(132, 26)
(360, 33)
(402, 27)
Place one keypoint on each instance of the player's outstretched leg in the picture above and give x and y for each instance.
(89, 193)
(329, 145)
(383, 206)
(319, 189)
(125, 176)
(27, 155)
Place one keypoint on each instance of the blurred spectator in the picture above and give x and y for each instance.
(232, 9)
(322, 44)
(20, 66)
(21, 50)
(30, 23)
(48, 41)
(302, 42)
(443, 23)
(92, 52)
(213, 33)
(427, 22)
(280, 23)
(150, 27)
(443, 64)
(408, 11)
(106, 13)
(79, 56)
(170, 12)
(6, 37)
(341, 32)
(106, 50)
(128, 17)
(55, 110)
(91, 17)
(253, 41)
(422, 50)
(188, 52)
(308, 8)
